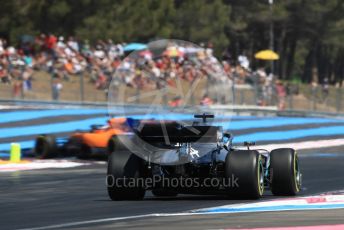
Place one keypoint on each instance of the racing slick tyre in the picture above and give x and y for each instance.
(115, 143)
(285, 176)
(85, 152)
(245, 171)
(111, 145)
(45, 146)
(123, 174)
(73, 146)
(164, 193)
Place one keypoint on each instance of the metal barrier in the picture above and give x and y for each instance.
(79, 89)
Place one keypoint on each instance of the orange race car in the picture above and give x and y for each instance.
(82, 144)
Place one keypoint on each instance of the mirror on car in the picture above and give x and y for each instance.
(227, 141)
(249, 143)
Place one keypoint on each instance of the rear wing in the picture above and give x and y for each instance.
(174, 132)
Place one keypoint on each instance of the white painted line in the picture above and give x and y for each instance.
(104, 220)
(304, 145)
(311, 201)
(10, 107)
(96, 221)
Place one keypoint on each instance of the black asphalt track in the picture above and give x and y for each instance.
(48, 197)
(41, 198)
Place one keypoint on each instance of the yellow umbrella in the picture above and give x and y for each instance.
(267, 55)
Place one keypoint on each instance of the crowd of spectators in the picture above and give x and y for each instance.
(104, 62)
(61, 58)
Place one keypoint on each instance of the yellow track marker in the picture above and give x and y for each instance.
(15, 155)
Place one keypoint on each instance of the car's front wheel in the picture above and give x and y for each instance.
(45, 146)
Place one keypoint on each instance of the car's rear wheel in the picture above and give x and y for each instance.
(111, 145)
(285, 175)
(73, 146)
(117, 143)
(85, 152)
(45, 146)
(244, 172)
(124, 174)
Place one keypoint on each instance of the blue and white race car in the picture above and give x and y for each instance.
(170, 158)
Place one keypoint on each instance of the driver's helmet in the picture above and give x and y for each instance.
(117, 122)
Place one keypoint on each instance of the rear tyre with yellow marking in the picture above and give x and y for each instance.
(246, 168)
(285, 175)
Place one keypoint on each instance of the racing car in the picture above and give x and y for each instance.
(82, 144)
(197, 154)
